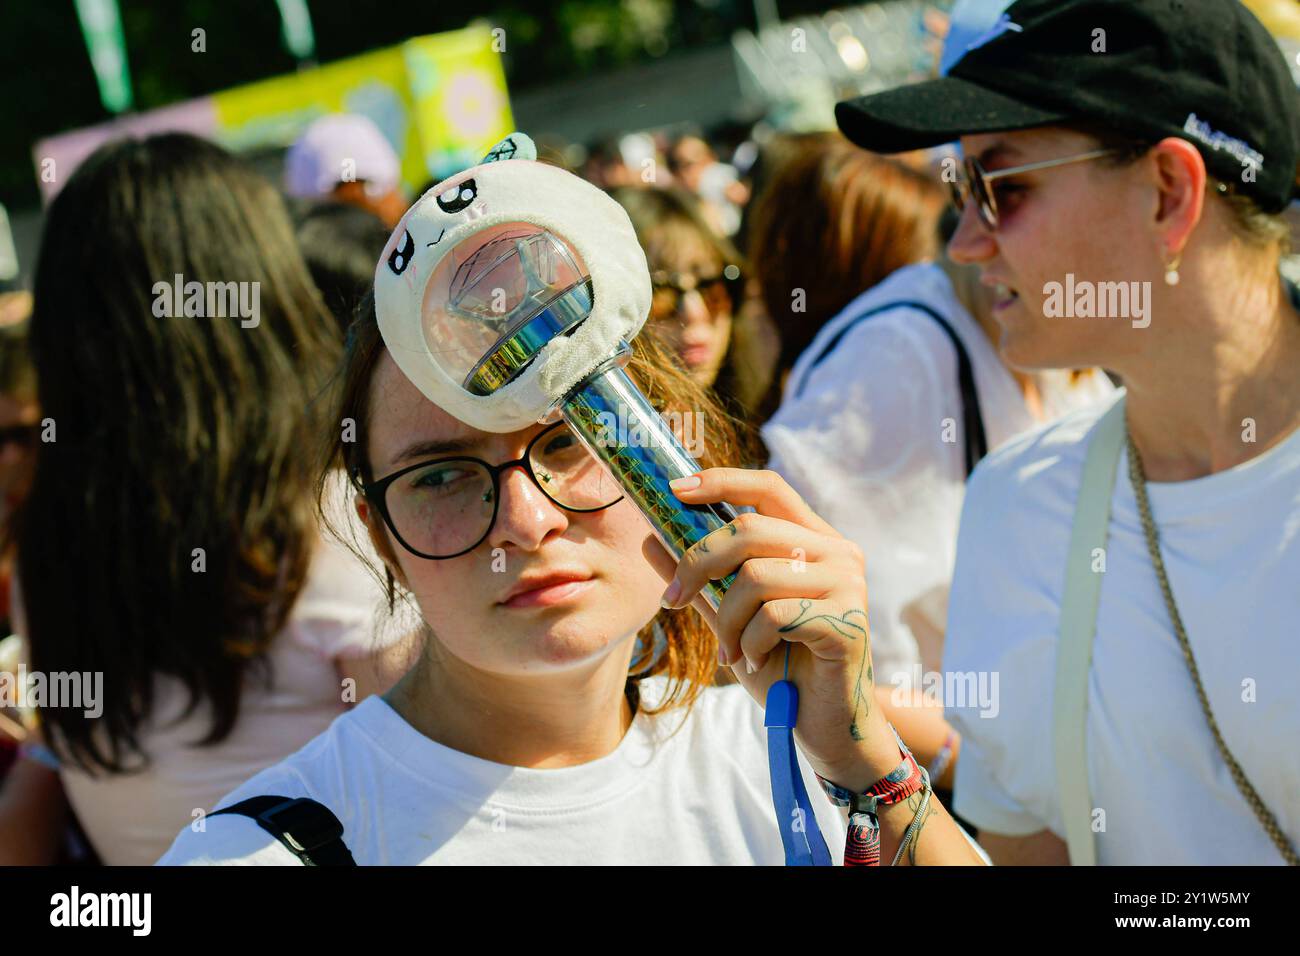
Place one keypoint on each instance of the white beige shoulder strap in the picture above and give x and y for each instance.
(1077, 627)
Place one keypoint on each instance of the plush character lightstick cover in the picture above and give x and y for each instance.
(511, 291)
(439, 331)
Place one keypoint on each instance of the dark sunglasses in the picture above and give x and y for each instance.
(722, 292)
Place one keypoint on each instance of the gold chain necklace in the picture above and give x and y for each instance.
(1138, 478)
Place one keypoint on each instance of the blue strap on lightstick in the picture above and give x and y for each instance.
(802, 838)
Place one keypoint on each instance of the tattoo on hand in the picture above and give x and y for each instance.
(853, 631)
(704, 542)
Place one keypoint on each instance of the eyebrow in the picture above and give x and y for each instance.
(997, 151)
(434, 448)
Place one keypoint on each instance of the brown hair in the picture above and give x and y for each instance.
(832, 221)
(689, 648)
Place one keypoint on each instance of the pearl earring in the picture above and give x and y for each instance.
(1171, 270)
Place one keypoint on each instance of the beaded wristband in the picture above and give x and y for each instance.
(862, 847)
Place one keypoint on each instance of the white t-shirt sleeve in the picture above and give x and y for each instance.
(979, 798)
(227, 840)
(232, 839)
(1005, 772)
(866, 444)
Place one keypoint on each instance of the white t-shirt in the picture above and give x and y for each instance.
(866, 444)
(1231, 546)
(701, 795)
(132, 818)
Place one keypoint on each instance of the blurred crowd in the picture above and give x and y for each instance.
(765, 249)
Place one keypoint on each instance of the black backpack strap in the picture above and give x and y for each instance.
(308, 830)
(972, 420)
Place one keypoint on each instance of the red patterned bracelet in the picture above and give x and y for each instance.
(862, 848)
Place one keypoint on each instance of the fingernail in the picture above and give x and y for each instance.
(685, 484)
(672, 594)
(749, 666)
(722, 655)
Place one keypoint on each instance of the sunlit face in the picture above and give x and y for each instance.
(614, 591)
(693, 156)
(691, 304)
(1090, 220)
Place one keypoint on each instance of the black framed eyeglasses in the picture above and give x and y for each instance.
(976, 184)
(445, 507)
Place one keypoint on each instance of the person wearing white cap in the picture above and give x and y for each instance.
(344, 157)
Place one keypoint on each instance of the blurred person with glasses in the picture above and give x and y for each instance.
(700, 302)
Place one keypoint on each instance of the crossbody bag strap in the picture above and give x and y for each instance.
(972, 418)
(1078, 624)
(307, 829)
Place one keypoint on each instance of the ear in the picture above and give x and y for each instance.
(1180, 178)
(379, 538)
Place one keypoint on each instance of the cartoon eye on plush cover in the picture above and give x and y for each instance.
(401, 256)
(458, 197)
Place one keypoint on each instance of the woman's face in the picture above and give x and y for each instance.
(691, 304)
(1085, 222)
(467, 600)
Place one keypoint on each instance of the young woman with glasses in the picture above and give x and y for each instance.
(536, 728)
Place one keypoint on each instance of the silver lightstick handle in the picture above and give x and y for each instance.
(619, 425)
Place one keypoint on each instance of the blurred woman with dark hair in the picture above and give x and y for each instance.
(170, 544)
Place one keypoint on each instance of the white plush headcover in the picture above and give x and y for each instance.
(510, 186)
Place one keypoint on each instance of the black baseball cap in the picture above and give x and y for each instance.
(1203, 70)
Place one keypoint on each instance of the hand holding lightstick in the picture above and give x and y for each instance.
(508, 294)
